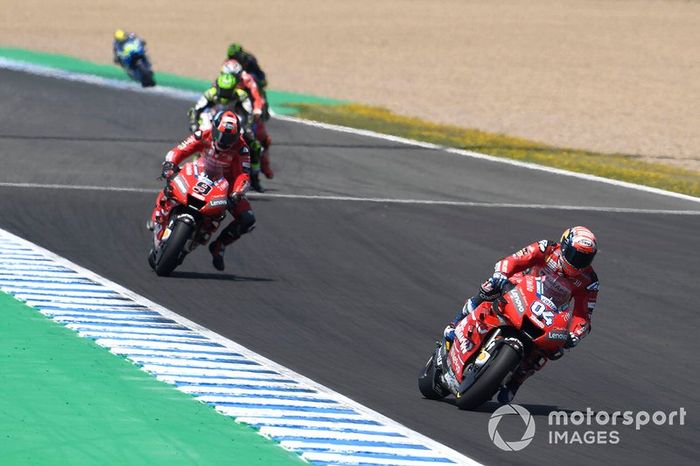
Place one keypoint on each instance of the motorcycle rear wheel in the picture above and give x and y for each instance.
(505, 361)
(172, 249)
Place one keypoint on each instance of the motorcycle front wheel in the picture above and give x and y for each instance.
(172, 249)
(427, 383)
(488, 382)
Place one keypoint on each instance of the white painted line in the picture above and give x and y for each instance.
(242, 373)
(135, 353)
(338, 458)
(267, 401)
(77, 320)
(77, 187)
(277, 381)
(90, 306)
(345, 448)
(191, 96)
(140, 317)
(47, 71)
(193, 363)
(382, 200)
(109, 343)
(264, 412)
(138, 336)
(249, 385)
(490, 158)
(318, 434)
(325, 425)
(39, 285)
(70, 300)
(234, 392)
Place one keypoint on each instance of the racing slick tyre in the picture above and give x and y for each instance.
(172, 249)
(146, 75)
(490, 378)
(426, 381)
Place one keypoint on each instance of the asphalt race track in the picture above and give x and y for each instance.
(353, 294)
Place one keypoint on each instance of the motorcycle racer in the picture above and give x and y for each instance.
(129, 52)
(229, 92)
(572, 282)
(261, 111)
(121, 38)
(248, 62)
(224, 151)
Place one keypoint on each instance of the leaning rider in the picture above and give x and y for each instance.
(567, 264)
(121, 38)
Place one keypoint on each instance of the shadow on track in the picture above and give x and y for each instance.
(219, 276)
(490, 406)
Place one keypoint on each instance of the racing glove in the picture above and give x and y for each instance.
(572, 340)
(492, 287)
(449, 333)
(169, 169)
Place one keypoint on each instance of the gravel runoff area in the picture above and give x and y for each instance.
(613, 76)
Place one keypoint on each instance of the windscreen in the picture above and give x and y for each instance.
(554, 291)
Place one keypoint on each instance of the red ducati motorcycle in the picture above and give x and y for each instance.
(196, 200)
(493, 340)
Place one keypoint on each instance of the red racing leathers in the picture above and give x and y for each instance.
(233, 164)
(580, 291)
(247, 82)
(542, 259)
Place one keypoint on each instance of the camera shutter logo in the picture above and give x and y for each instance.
(507, 410)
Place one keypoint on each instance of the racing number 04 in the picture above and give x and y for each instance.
(540, 310)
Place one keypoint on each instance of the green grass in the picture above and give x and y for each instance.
(615, 166)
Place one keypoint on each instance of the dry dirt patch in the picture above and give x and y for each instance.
(620, 75)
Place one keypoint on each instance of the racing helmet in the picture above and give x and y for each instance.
(578, 248)
(225, 130)
(233, 67)
(225, 87)
(234, 50)
(120, 35)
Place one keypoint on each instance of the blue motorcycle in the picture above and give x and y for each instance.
(132, 57)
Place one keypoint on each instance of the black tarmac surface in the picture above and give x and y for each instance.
(353, 294)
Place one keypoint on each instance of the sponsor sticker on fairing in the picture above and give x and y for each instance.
(181, 186)
(548, 302)
(517, 300)
(558, 335)
(218, 202)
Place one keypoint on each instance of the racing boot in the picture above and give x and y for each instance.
(508, 391)
(216, 248)
(245, 223)
(265, 165)
(255, 183)
(528, 367)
